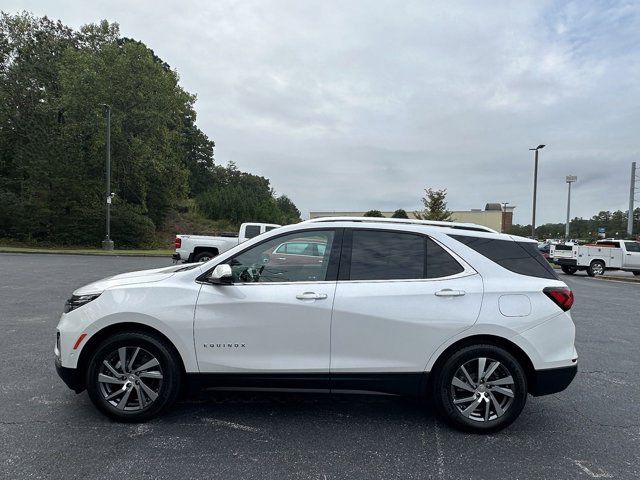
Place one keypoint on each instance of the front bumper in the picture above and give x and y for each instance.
(552, 380)
(69, 376)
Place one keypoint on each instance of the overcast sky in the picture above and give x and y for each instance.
(354, 105)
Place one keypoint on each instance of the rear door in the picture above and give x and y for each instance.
(399, 297)
(632, 255)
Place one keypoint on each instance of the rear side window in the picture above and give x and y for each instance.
(379, 255)
(519, 257)
(383, 255)
(632, 246)
(251, 231)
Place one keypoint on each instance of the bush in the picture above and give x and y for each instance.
(130, 228)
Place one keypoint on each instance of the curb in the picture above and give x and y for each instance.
(618, 279)
(114, 254)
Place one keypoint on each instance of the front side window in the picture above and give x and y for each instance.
(275, 260)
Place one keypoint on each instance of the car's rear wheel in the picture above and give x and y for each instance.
(480, 388)
(596, 268)
(133, 376)
(568, 269)
(203, 257)
(637, 274)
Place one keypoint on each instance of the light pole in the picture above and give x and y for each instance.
(569, 179)
(535, 190)
(107, 243)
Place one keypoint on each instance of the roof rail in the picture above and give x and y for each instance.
(433, 223)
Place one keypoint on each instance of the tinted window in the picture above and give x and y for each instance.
(519, 257)
(377, 255)
(268, 229)
(632, 246)
(252, 231)
(266, 262)
(439, 262)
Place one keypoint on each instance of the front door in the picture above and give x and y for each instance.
(399, 297)
(275, 317)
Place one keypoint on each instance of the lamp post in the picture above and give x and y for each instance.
(107, 243)
(569, 179)
(535, 190)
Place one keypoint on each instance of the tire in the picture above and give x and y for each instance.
(487, 397)
(203, 257)
(596, 268)
(568, 269)
(159, 384)
(637, 274)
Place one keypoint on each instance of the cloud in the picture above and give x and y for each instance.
(359, 105)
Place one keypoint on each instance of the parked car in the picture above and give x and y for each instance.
(202, 248)
(473, 319)
(597, 258)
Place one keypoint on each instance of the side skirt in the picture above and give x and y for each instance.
(408, 384)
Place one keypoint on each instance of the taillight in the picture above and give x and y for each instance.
(561, 296)
(178, 242)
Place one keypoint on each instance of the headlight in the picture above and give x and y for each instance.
(78, 300)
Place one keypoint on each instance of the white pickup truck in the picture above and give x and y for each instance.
(202, 248)
(597, 258)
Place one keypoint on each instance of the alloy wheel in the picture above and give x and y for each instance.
(130, 378)
(482, 389)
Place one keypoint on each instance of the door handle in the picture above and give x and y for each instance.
(311, 296)
(447, 292)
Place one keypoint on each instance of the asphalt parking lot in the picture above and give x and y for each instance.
(592, 430)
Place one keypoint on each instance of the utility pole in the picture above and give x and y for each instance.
(632, 192)
(569, 179)
(535, 190)
(107, 243)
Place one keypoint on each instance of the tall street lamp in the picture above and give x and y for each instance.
(569, 179)
(535, 190)
(107, 243)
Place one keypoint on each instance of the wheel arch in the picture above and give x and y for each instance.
(214, 250)
(484, 339)
(113, 329)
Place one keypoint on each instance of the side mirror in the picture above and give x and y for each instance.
(222, 275)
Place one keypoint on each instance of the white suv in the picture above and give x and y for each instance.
(468, 317)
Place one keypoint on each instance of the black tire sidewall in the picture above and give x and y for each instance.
(198, 257)
(171, 372)
(442, 388)
(569, 270)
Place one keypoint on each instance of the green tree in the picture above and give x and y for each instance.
(400, 213)
(373, 213)
(53, 83)
(435, 206)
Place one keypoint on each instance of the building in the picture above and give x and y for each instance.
(494, 215)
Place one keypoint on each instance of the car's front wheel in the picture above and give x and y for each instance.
(133, 376)
(480, 388)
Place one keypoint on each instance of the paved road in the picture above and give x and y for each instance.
(592, 430)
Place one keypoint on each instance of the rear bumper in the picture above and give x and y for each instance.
(565, 261)
(552, 380)
(69, 376)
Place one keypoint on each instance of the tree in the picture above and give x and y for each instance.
(435, 206)
(400, 213)
(53, 83)
(373, 213)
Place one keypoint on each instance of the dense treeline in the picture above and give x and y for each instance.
(53, 84)
(614, 223)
